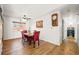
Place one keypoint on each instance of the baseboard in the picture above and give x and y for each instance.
(58, 44)
(13, 38)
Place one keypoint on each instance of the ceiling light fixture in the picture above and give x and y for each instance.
(26, 18)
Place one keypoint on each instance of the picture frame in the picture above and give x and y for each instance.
(39, 24)
(54, 18)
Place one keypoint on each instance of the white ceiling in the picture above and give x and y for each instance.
(71, 8)
(31, 10)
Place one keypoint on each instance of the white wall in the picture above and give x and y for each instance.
(77, 29)
(9, 33)
(0, 29)
(0, 35)
(78, 34)
(49, 33)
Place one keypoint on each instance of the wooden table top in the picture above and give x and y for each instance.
(29, 34)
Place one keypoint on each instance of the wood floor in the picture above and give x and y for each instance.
(0, 46)
(16, 47)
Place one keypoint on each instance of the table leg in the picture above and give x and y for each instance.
(29, 42)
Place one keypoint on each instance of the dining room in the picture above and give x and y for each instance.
(36, 29)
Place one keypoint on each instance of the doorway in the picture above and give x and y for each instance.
(70, 31)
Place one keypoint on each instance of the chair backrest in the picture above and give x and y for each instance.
(36, 35)
(22, 32)
(25, 31)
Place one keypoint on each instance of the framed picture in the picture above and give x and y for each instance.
(39, 24)
(54, 19)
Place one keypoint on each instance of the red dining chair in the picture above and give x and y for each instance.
(24, 37)
(36, 38)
